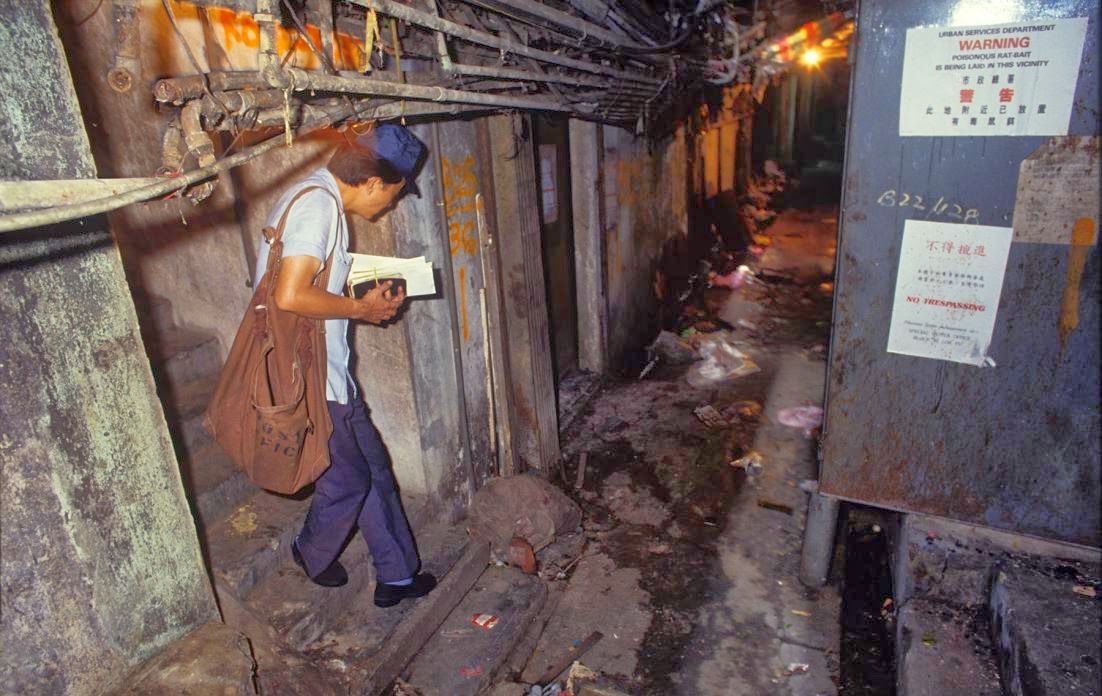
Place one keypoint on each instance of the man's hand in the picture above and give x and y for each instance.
(379, 305)
(295, 292)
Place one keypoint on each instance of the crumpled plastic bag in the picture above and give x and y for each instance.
(721, 361)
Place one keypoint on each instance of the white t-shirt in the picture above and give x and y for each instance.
(316, 226)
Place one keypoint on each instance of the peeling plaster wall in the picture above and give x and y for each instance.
(100, 564)
(646, 204)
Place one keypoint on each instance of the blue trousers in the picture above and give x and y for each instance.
(358, 489)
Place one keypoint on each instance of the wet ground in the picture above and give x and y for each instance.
(690, 567)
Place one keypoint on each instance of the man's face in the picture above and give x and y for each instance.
(376, 198)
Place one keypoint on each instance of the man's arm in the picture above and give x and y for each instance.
(295, 292)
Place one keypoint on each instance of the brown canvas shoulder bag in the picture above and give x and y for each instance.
(269, 411)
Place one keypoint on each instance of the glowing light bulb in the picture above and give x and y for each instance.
(811, 57)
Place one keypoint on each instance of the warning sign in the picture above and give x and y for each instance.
(1000, 79)
(947, 290)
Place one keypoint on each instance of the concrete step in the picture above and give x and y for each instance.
(361, 647)
(1048, 637)
(245, 547)
(182, 355)
(462, 659)
(299, 611)
(213, 483)
(944, 651)
(215, 486)
(212, 659)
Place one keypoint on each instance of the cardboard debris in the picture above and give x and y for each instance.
(710, 417)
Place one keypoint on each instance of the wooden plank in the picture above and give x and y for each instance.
(420, 229)
(535, 435)
(462, 178)
(589, 257)
(502, 395)
(419, 626)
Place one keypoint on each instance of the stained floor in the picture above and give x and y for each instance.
(690, 570)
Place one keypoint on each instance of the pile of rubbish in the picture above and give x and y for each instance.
(698, 334)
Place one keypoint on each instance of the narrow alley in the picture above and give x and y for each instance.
(550, 348)
(693, 562)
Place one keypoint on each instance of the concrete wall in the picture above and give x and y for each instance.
(101, 565)
(194, 256)
(646, 203)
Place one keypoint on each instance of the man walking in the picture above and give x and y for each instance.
(365, 176)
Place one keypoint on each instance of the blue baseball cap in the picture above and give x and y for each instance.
(400, 148)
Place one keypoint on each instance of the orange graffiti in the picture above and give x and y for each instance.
(240, 32)
(460, 187)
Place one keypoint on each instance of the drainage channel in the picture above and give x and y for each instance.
(868, 632)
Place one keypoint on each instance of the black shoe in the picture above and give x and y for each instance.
(333, 576)
(389, 595)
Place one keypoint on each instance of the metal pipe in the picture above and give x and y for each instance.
(818, 548)
(198, 144)
(176, 90)
(304, 80)
(30, 195)
(267, 55)
(427, 21)
(380, 112)
(58, 214)
(525, 75)
(239, 102)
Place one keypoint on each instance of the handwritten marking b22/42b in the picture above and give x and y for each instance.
(893, 199)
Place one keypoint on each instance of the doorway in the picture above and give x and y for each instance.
(557, 241)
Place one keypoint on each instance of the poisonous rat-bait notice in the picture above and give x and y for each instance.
(1000, 79)
(947, 290)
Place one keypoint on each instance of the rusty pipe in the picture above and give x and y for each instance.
(267, 57)
(126, 67)
(528, 76)
(177, 90)
(64, 213)
(199, 144)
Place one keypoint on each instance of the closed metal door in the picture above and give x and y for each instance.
(1014, 445)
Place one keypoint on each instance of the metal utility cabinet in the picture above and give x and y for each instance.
(1009, 437)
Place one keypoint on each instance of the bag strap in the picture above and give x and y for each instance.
(275, 239)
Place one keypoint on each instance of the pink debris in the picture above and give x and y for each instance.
(807, 418)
